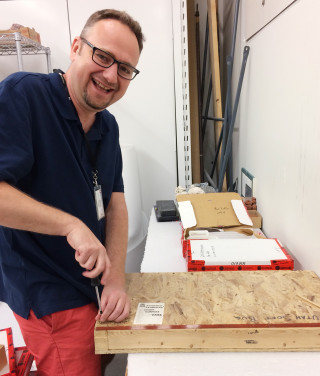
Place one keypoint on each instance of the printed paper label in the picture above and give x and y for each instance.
(149, 314)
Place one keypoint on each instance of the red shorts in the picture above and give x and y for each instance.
(63, 343)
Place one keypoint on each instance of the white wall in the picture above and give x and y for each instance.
(146, 115)
(279, 126)
(50, 19)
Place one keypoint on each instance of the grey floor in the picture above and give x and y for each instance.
(117, 366)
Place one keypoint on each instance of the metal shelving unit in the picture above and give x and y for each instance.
(17, 44)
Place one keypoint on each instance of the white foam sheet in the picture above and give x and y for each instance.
(163, 251)
(224, 364)
(237, 251)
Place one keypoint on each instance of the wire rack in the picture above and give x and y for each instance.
(8, 45)
(17, 44)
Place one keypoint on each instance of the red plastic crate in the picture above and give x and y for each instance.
(199, 265)
(24, 361)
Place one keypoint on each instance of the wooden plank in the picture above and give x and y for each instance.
(215, 71)
(219, 311)
(222, 340)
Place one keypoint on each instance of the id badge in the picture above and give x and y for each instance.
(99, 202)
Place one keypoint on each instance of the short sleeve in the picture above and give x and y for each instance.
(16, 151)
(118, 181)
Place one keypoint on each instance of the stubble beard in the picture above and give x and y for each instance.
(93, 105)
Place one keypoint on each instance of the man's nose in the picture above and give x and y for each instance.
(111, 73)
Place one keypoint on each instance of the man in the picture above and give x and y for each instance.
(63, 215)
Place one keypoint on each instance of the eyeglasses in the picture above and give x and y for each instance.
(106, 60)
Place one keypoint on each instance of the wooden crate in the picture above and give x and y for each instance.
(219, 311)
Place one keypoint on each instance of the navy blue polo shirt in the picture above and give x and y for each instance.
(43, 153)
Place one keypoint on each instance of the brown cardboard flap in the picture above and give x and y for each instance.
(213, 209)
(256, 218)
(3, 357)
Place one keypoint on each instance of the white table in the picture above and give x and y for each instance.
(163, 253)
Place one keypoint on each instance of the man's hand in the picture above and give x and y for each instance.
(89, 252)
(115, 303)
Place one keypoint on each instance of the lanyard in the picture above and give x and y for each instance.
(93, 157)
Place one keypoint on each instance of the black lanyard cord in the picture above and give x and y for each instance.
(93, 157)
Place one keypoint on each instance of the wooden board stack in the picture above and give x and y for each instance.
(219, 311)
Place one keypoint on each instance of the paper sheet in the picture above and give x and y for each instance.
(241, 212)
(187, 215)
(236, 251)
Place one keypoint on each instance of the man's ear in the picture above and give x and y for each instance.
(75, 48)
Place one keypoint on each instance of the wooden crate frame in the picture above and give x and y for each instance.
(220, 311)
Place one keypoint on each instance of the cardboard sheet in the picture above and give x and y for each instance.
(214, 210)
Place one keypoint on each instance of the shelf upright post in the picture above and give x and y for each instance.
(48, 55)
(17, 38)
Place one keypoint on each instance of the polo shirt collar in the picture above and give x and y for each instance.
(66, 108)
(64, 105)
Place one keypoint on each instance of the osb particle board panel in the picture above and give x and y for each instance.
(220, 311)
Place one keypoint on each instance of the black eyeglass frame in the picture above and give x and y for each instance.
(94, 49)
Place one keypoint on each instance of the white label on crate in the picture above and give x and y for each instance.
(149, 314)
(187, 215)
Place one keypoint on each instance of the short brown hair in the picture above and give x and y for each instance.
(121, 16)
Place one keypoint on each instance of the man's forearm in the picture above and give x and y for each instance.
(22, 212)
(117, 234)
(114, 301)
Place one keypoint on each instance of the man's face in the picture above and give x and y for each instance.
(92, 87)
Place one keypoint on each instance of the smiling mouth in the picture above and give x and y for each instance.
(101, 86)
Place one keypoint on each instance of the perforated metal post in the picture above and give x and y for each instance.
(185, 90)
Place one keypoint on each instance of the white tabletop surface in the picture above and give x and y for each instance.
(163, 253)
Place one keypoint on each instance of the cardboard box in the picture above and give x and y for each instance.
(255, 218)
(213, 210)
(25, 31)
(6, 339)
(3, 357)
